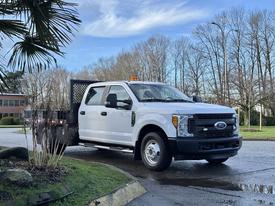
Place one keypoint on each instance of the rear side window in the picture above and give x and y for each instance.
(94, 96)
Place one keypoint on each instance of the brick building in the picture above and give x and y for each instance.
(12, 105)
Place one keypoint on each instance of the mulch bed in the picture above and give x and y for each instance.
(40, 175)
(5, 196)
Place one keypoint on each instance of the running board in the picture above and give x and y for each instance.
(113, 148)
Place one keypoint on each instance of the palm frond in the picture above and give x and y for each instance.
(50, 20)
(3, 83)
(6, 7)
(31, 54)
(12, 28)
(50, 25)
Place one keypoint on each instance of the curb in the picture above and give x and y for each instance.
(259, 140)
(121, 196)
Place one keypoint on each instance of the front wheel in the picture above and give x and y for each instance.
(216, 161)
(154, 152)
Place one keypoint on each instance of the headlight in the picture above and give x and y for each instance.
(237, 124)
(180, 122)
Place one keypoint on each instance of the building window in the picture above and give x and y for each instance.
(16, 115)
(11, 103)
(22, 102)
(27, 114)
(1, 102)
(16, 103)
(6, 103)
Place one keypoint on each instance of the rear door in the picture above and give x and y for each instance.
(91, 122)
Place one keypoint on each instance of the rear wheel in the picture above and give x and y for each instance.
(154, 152)
(216, 161)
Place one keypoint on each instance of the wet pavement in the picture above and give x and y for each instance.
(246, 179)
(14, 137)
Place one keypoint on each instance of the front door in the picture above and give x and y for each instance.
(118, 120)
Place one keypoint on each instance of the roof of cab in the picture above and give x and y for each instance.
(143, 82)
(126, 82)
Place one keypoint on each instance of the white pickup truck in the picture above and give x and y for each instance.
(157, 122)
(154, 121)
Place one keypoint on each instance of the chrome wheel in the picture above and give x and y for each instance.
(152, 152)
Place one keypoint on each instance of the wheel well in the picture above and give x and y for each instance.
(145, 130)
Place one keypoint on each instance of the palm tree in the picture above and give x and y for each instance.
(38, 29)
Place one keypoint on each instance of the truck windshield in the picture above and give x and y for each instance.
(158, 93)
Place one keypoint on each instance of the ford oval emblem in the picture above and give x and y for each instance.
(220, 125)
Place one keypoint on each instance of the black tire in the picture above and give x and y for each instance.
(101, 149)
(216, 161)
(163, 157)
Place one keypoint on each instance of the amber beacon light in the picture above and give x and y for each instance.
(133, 78)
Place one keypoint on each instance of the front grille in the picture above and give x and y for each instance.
(202, 125)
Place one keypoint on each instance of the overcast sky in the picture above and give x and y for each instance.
(109, 26)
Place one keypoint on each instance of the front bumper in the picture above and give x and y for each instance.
(195, 148)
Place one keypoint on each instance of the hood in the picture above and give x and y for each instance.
(186, 108)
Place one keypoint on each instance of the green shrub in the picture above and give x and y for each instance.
(254, 118)
(241, 118)
(10, 121)
(269, 121)
(16, 121)
(7, 121)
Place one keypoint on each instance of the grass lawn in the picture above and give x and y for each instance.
(267, 133)
(11, 126)
(86, 180)
(22, 130)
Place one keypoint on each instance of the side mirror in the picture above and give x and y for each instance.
(128, 104)
(111, 101)
(197, 99)
(127, 101)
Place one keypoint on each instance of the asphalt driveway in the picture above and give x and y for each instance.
(247, 179)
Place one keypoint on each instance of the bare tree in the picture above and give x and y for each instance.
(229, 60)
(152, 56)
(196, 65)
(179, 61)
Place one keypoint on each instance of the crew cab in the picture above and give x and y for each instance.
(156, 122)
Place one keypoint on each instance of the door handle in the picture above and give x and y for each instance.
(82, 113)
(103, 113)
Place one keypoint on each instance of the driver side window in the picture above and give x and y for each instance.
(122, 95)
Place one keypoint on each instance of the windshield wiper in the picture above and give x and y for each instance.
(154, 100)
(179, 100)
(167, 100)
